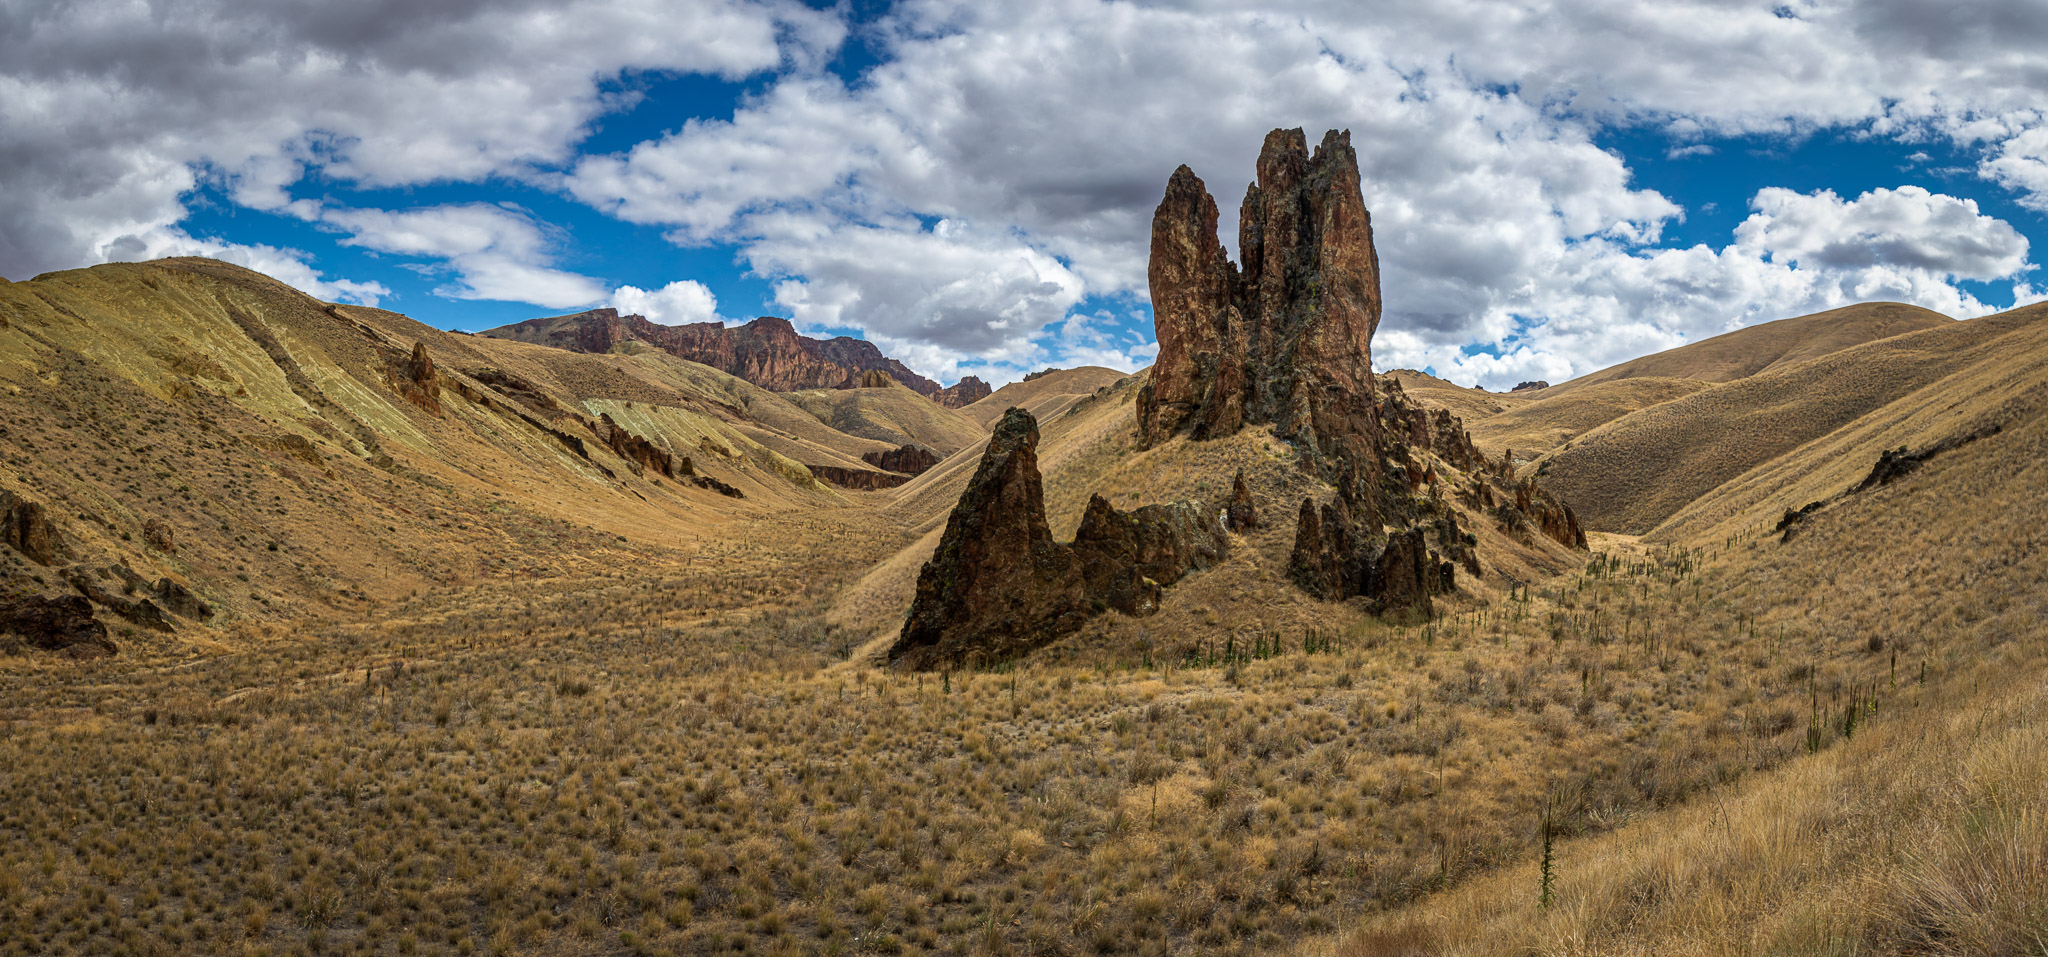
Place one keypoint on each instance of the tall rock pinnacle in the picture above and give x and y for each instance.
(1287, 338)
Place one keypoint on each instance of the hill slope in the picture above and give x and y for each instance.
(1634, 472)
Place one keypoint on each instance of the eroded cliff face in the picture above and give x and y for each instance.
(1284, 340)
(998, 585)
(767, 352)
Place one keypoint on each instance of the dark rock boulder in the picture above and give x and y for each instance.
(26, 527)
(1127, 558)
(998, 584)
(182, 601)
(63, 624)
(909, 460)
(156, 533)
(1533, 386)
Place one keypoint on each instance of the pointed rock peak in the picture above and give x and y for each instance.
(1241, 515)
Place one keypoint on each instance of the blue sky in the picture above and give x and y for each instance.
(1555, 186)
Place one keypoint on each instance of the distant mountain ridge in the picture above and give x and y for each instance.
(768, 351)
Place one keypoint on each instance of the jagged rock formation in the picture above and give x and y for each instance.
(767, 352)
(857, 479)
(156, 533)
(1241, 515)
(1530, 386)
(414, 379)
(64, 623)
(25, 526)
(998, 585)
(1285, 341)
(965, 392)
(872, 379)
(634, 449)
(909, 460)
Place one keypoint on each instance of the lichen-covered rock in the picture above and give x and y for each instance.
(26, 527)
(909, 460)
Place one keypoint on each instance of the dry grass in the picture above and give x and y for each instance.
(1548, 420)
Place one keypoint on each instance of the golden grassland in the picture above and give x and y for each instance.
(1924, 832)
(1545, 422)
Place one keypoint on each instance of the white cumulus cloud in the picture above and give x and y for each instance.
(679, 302)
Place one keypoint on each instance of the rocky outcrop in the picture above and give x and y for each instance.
(64, 623)
(140, 611)
(25, 526)
(414, 378)
(871, 379)
(1241, 515)
(1128, 558)
(156, 533)
(642, 454)
(998, 585)
(1284, 341)
(767, 352)
(1534, 386)
(965, 392)
(1285, 338)
(909, 460)
(857, 479)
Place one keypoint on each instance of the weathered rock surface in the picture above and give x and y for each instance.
(767, 352)
(414, 378)
(965, 392)
(1284, 340)
(871, 379)
(1241, 515)
(998, 585)
(1532, 386)
(909, 460)
(643, 455)
(63, 624)
(857, 479)
(26, 527)
(157, 534)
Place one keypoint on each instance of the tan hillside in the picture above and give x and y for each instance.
(891, 414)
(1769, 346)
(1035, 393)
(197, 421)
(1634, 472)
(1533, 426)
(1919, 827)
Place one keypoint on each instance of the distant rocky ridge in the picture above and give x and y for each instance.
(1536, 385)
(967, 391)
(767, 352)
(998, 585)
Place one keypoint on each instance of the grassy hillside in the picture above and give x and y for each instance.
(1921, 827)
(1770, 346)
(1472, 405)
(1085, 380)
(1535, 426)
(1636, 471)
(893, 415)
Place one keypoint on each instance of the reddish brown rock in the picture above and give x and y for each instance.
(156, 533)
(999, 586)
(767, 352)
(26, 527)
(642, 454)
(871, 379)
(414, 378)
(965, 392)
(1285, 339)
(909, 460)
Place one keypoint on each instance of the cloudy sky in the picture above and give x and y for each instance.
(1555, 185)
